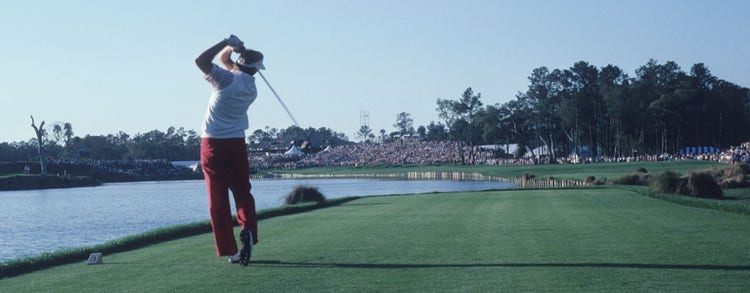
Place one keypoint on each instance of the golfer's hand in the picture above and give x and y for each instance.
(234, 42)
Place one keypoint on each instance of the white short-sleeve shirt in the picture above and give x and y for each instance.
(231, 95)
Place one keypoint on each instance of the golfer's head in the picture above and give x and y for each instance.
(250, 61)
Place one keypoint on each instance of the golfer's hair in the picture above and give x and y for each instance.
(249, 57)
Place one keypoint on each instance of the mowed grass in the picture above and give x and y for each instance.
(595, 239)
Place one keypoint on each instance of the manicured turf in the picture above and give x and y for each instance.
(603, 239)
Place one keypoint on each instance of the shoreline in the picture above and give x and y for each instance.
(38, 182)
(68, 174)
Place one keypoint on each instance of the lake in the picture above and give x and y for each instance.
(38, 221)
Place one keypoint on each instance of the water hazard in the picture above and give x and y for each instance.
(38, 221)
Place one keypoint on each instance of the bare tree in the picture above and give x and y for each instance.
(39, 134)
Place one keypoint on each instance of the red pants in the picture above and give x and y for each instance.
(225, 166)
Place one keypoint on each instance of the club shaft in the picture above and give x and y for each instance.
(278, 98)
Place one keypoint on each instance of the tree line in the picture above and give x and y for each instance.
(174, 144)
(606, 112)
(597, 111)
(600, 110)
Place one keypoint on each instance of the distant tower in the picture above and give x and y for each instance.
(364, 118)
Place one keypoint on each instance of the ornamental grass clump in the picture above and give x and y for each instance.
(592, 180)
(640, 177)
(695, 184)
(665, 182)
(700, 185)
(735, 176)
(303, 193)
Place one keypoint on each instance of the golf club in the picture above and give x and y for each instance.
(278, 98)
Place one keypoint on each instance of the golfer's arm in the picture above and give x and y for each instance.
(205, 59)
(226, 58)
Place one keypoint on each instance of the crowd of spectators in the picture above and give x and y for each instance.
(362, 154)
(395, 153)
(736, 154)
(439, 152)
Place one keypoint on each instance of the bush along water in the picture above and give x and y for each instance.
(303, 193)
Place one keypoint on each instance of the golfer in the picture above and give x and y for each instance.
(223, 152)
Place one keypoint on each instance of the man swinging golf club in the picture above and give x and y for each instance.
(223, 152)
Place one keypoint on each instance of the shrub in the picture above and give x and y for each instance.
(700, 185)
(528, 176)
(303, 193)
(591, 180)
(665, 182)
(735, 176)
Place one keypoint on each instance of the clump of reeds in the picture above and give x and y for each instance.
(303, 193)
(696, 184)
(640, 177)
(591, 180)
(735, 176)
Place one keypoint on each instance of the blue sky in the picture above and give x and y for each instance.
(109, 66)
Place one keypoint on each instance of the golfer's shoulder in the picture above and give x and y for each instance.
(219, 78)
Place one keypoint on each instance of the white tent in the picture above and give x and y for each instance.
(510, 149)
(540, 151)
(293, 151)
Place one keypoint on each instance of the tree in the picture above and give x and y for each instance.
(259, 139)
(39, 134)
(734, 106)
(383, 136)
(404, 123)
(422, 131)
(459, 117)
(273, 138)
(57, 132)
(581, 105)
(364, 133)
(658, 85)
(543, 99)
(613, 84)
(470, 104)
(488, 121)
(515, 123)
(68, 132)
(703, 117)
(436, 132)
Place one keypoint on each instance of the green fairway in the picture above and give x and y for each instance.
(604, 239)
